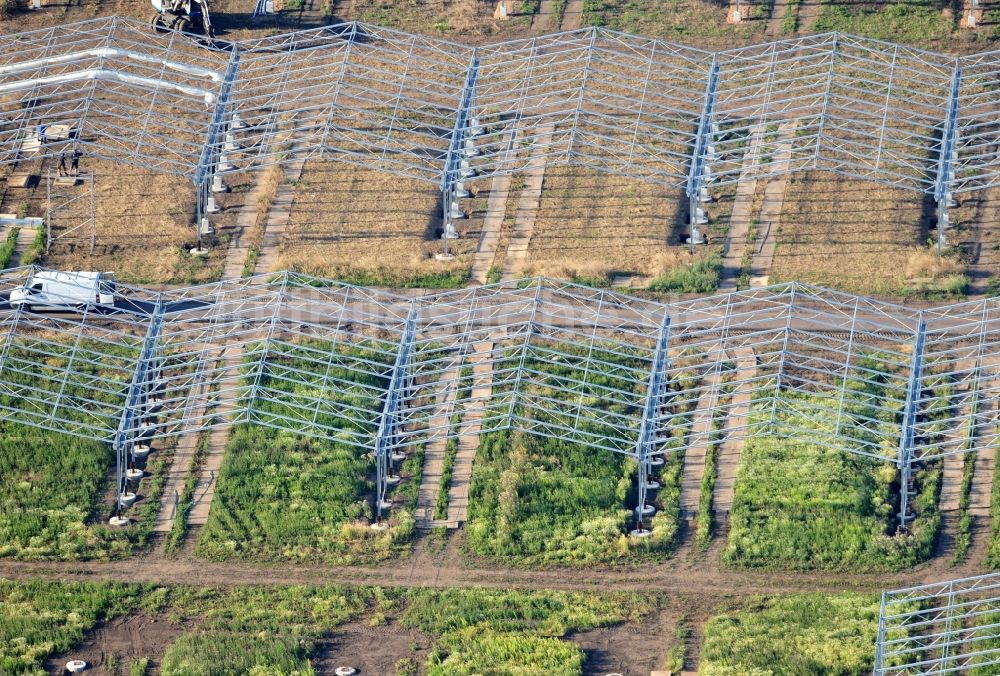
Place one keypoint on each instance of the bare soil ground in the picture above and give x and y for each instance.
(371, 650)
(590, 224)
(848, 234)
(632, 649)
(978, 238)
(347, 222)
(126, 639)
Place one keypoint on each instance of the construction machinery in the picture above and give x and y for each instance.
(186, 16)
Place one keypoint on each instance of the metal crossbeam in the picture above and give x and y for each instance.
(940, 628)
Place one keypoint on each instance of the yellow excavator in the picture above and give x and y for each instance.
(187, 16)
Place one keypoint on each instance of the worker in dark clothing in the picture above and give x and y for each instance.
(74, 166)
(62, 165)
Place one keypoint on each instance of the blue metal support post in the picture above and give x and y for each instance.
(135, 399)
(946, 168)
(208, 160)
(696, 173)
(645, 443)
(460, 133)
(388, 428)
(904, 457)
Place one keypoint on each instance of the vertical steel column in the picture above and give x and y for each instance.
(904, 458)
(459, 133)
(880, 640)
(651, 411)
(696, 173)
(946, 169)
(208, 160)
(135, 398)
(387, 436)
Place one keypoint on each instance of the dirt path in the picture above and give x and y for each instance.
(983, 471)
(278, 217)
(472, 423)
(776, 22)
(25, 237)
(954, 464)
(496, 210)
(239, 246)
(739, 220)
(572, 15)
(809, 13)
(985, 259)
(732, 445)
(543, 18)
(693, 576)
(695, 454)
(527, 206)
(434, 451)
(232, 358)
(770, 209)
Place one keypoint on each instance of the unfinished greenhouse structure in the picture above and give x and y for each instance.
(940, 628)
(273, 349)
(445, 113)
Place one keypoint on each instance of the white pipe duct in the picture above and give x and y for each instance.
(110, 53)
(103, 74)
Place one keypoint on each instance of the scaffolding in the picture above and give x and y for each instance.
(590, 367)
(940, 628)
(442, 112)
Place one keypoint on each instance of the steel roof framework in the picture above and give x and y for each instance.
(591, 367)
(442, 112)
(940, 628)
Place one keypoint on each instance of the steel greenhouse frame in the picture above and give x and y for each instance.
(158, 364)
(939, 628)
(443, 112)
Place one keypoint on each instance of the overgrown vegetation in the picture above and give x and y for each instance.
(799, 635)
(276, 629)
(37, 249)
(800, 504)
(483, 631)
(38, 619)
(702, 276)
(909, 22)
(538, 500)
(447, 470)
(790, 22)
(8, 247)
(283, 495)
(992, 559)
(52, 485)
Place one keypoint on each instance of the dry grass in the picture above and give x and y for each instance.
(145, 224)
(848, 234)
(594, 225)
(358, 224)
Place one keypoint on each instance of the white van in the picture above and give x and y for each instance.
(65, 290)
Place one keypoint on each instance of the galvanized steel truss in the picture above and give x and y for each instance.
(439, 111)
(591, 367)
(940, 628)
